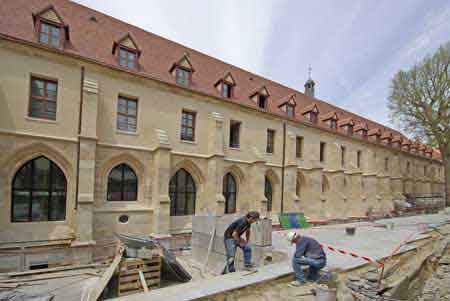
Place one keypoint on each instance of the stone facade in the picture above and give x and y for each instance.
(155, 152)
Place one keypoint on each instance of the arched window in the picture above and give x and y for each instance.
(230, 193)
(39, 192)
(268, 193)
(122, 184)
(182, 194)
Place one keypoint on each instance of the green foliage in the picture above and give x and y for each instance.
(420, 99)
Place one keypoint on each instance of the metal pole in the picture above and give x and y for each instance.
(282, 168)
(80, 116)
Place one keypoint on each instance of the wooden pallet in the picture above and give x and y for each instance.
(129, 278)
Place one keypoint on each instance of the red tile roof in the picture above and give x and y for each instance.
(374, 132)
(386, 135)
(361, 126)
(346, 121)
(92, 35)
(329, 115)
(310, 108)
(397, 138)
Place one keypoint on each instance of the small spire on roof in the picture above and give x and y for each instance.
(309, 85)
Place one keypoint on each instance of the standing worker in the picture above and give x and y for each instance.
(308, 252)
(232, 240)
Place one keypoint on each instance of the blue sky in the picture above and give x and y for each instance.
(354, 47)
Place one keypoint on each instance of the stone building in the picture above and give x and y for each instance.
(105, 127)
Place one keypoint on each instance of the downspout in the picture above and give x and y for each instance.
(282, 168)
(80, 115)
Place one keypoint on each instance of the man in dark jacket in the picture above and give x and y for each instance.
(233, 240)
(308, 252)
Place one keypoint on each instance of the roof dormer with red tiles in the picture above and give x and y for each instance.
(386, 138)
(182, 71)
(397, 141)
(50, 28)
(361, 129)
(330, 119)
(422, 149)
(225, 86)
(261, 98)
(127, 52)
(414, 147)
(406, 144)
(288, 105)
(347, 125)
(374, 134)
(311, 112)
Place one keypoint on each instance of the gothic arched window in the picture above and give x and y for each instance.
(182, 192)
(39, 191)
(122, 184)
(230, 193)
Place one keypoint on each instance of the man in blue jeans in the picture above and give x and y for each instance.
(233, 240)
(308, 252)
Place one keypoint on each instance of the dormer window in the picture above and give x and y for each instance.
(331, 119)
(375, 134)
(51, 29)
(347, 125)
(225, 86)
(313, 117)
(182, 71)
(260, 98)
(333, 124)
(364, 133)
(127, 52)
(183, 76)
(386, 138)
(290, 110)
(288, 105)
(127, 58)
(50, 34)
(226, 90)
(262, 101)
(311, 112)
(361, 129)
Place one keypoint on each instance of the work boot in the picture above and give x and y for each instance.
(296, 283)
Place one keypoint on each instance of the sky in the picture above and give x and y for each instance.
(354, 47)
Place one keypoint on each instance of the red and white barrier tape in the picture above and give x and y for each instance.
(352, 254)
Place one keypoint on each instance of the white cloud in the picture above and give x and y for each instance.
(234, 31)
(355, 47)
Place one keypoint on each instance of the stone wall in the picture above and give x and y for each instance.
(204, 226)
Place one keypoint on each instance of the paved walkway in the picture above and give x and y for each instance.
(369, 240)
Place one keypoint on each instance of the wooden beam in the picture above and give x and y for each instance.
(98, 288)
(143, 282)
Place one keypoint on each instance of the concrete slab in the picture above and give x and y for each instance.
(368, 241)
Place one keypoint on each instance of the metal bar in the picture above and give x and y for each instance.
(80, 116)
(282, 168)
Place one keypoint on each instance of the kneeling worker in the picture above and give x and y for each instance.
(232, 240)
(308, 252)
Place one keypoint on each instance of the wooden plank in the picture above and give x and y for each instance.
(135, 271)
(211, 241)
(98, 288)
(128, 278)
(143, 282)
(51, 270)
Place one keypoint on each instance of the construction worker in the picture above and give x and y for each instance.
(233, 240)
(308, 252)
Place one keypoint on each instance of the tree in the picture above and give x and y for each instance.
(420, 102)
